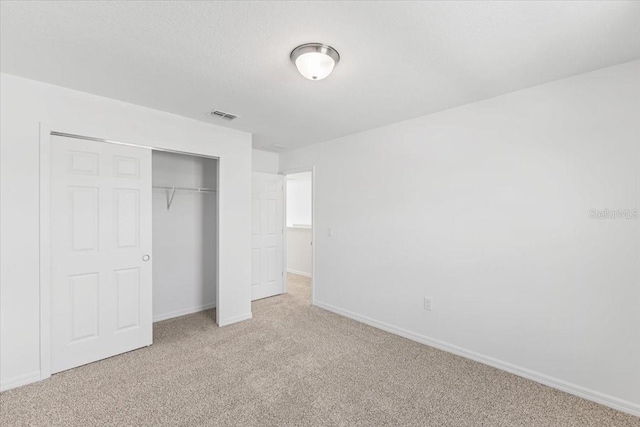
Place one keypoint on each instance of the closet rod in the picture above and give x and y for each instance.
(171, 191)
(196, 189)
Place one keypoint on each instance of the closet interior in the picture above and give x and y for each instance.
(185, 218)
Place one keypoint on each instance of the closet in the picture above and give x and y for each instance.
(184, 234)
(133, 241)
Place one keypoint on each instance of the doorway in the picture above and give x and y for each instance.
(299, 234)
(185, 218)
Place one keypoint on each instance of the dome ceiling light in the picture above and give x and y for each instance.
(315, 61)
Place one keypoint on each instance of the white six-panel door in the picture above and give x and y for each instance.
(100, 251)
(267, 235)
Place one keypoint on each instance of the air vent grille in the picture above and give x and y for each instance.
(223, 115)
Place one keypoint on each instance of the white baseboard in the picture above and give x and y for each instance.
(585, 393)
(20, 380)
(236, 319)
(299, 273)
(184, 312)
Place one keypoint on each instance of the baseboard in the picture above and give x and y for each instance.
(20, 381)
(585, 393)
(235, 319)
(184, 312)
(299, 273)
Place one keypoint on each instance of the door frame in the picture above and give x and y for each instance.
(292, 171)
(46, 133)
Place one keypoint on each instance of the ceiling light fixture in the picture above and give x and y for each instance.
(315, 61)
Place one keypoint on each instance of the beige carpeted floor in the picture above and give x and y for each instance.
(292, 365)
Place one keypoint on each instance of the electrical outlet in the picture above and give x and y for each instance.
(428, 304)
(330, 232)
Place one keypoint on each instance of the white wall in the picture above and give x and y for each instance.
(299, 200)
(26, 103)
(485, 209)
(184, 236)
(265, 161)
(299, 251)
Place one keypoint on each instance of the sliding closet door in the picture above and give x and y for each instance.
(267, 235)
(100, 250)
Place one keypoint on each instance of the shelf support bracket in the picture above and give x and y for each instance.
(170, 194)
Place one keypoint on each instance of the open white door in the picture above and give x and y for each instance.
(267, 235)
(100, 251)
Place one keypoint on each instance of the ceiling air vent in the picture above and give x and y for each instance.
(222, 115)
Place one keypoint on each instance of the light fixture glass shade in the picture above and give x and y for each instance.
(315, 65)
(315, 61)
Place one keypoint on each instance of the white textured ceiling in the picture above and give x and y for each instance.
(399, 59)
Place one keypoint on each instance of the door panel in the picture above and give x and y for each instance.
(84, 218)
(128, 286)
(127, 217)
(100, 231)
(267, 235)
(84, 306)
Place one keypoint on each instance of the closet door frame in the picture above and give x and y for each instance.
(45, 133)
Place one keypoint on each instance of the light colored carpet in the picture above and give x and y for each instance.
(292, 365)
